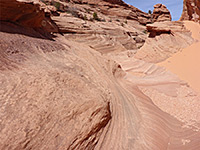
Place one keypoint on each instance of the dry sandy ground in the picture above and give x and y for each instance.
(186, 64)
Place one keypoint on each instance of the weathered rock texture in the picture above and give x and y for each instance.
(100, 32)
(120, 2)
(165, 39)
(191, 10)
(27, 14)
(82, 91)
(53, 100)
(161, 13)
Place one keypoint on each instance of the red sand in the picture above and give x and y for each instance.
(186, 64)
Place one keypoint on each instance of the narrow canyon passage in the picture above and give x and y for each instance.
(98, 74)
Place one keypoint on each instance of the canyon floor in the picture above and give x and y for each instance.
(107, 84)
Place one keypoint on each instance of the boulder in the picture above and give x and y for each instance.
(161, 13)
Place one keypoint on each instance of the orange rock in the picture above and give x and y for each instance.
(191, 10)
(85, 89)
(161, 13)
(26, 13)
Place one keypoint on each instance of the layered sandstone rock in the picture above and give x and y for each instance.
(54, 100)
(63, 94)
(27, 13)
(165, 39)
(78, 23)
(120, 2)
(161, 13)
(191, 10)
(155, 29)
(113, 9)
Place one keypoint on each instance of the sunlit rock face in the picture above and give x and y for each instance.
(161, 13)
(26, 13)
(93, 84)
(191, 10)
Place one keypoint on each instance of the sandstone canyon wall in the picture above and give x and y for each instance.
(89, 85)
(191, 10)
(28, 14)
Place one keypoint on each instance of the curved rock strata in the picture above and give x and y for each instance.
(86, 90)
(26, 13)
(161, 13)
(64, 95)
(50, 98)
(165, 39)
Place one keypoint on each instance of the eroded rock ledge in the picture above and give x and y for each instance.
(161, 13)
(165, 39)
(26, 13)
